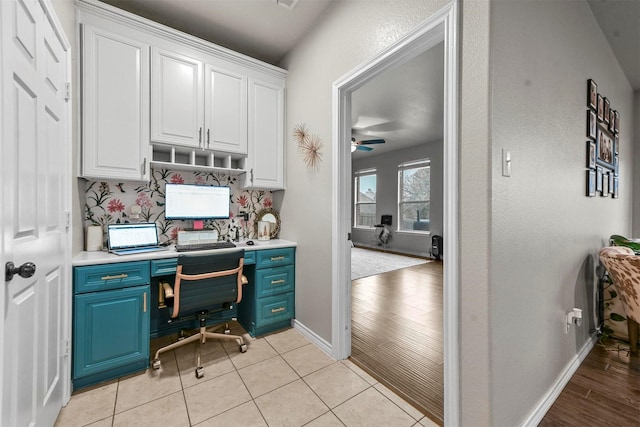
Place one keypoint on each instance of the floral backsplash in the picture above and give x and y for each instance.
(110, 202)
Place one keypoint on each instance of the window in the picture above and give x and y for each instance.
(365, 198)
(414, 190)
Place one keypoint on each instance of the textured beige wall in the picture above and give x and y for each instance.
(351, 32)
(545, 233)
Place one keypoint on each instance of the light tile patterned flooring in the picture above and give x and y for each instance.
(282, 380)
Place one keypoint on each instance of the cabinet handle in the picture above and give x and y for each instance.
(144, 166)
(208, 137)
(277, 258)
(144, 302)
(200, 137)
(277, 310)
(119, 276)
(277, 282)
(252, 175)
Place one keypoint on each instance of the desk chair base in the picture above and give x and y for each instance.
(201, 336)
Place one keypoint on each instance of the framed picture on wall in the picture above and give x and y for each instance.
(617, 124)
(592, 124)
(591, 183)
(600, 108)
(615, 188)
(591, 154)
(615, 165)
(605, 112)
(610, 175)
(604, 148)
(598, 178)
(605, 185)
(612, 121)
(616, 140)
(592, 94)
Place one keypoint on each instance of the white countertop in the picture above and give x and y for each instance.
(104, 257)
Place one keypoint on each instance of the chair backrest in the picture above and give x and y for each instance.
(624, 268)
(207, 281)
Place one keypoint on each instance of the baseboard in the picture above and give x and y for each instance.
(421, 255)
(547, 401)
(313, 337)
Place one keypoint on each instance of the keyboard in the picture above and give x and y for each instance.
(204, 246)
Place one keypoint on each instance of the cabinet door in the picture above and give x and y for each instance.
(225, 110)
(115, 105)
(266, 136)
(177, 99)
(111, 330)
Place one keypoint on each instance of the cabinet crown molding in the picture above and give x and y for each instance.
(159, 30)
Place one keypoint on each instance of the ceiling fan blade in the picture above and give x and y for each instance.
(363, 148)
(372, 141)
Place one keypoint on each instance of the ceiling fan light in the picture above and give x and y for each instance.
(353, 148)
(287, 4)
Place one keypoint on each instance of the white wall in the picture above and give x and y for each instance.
(545, 231)
(386, 165)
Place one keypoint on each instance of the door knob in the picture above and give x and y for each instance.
(27, 269)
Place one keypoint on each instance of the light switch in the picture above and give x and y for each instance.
(506, 162)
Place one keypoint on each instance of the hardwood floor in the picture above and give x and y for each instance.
(397, 338)
(397, 333)
(604, 391)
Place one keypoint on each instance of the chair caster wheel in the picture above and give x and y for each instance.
(243, 348)
(227, 331)
(156, 364)
(199, 372)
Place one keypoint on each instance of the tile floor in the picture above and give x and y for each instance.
(282, 380)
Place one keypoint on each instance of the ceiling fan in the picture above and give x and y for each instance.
(362, 145)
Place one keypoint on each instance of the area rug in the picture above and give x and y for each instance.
(365, 262)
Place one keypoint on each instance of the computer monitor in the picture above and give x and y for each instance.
(196, 202)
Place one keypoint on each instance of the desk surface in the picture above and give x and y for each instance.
(103, 257)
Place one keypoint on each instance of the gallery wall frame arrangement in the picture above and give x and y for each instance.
(603, 144)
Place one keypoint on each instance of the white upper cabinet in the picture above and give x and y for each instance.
(193, 108)
(266, 136)
(154, 96)
(115, 105)
(225, 110)
(177, 99)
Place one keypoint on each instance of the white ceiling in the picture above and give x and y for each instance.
(403, 105)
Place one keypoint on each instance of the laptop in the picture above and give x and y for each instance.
(126, 239)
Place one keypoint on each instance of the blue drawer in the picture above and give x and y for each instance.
(272, 281)
(249, 257)
(110, 276)
(163, 267)
(274, 257)
(274, 309)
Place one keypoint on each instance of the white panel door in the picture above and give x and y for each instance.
(34, 169)
(177, 99)
(115, 106)
(225, 110)
(266, 137)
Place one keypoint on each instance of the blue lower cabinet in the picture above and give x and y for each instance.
(268, 301)
(111, 334)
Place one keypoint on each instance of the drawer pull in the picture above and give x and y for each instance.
(277, 258)
(119, 276)
(277, 310)
(277, 282)
(144, 302)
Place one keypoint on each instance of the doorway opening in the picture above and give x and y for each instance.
(440, 28)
